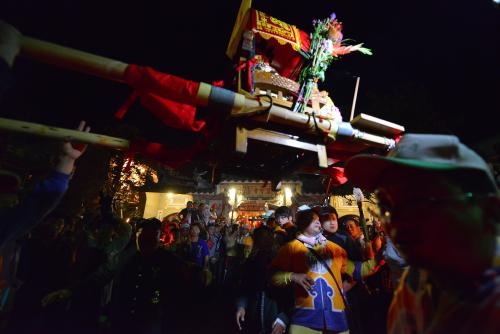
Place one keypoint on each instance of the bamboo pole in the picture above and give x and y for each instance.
(73, 59)
(302, 121)
(353, 107)
(10, 125)
(111, 69)
(374, 140)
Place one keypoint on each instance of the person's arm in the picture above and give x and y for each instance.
(282, 274)
(279, 326)
(241, 306)
(392, 255)
(44, 197)
(357, 269)
(285, 303)
(70, 153)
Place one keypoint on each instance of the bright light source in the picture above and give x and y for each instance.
(496, 1)
(232, 194)
(288, 196)
(170, 195)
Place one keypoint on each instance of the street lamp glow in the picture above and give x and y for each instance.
(288, 195)
(232, 194)
(232, 200)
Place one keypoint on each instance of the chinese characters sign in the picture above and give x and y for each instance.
(268, 26)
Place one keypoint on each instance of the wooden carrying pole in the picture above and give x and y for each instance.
(10, 125)
(73, 59)
(111, 69)
(353, 107)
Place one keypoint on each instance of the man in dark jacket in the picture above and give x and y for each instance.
(153, 287)
(259, 307)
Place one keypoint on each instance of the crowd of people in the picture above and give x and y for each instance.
(431, 263)
(96, 273)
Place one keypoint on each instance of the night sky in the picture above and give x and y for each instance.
(435, 66)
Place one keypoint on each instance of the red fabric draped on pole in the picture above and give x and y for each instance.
(173, 101)
(170, 98)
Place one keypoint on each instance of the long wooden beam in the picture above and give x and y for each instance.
(10, 125)
(238, 104)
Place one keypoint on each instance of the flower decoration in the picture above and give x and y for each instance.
(327, 44)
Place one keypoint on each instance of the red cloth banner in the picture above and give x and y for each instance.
(170, 98)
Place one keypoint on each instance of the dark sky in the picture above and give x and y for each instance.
(435, 66)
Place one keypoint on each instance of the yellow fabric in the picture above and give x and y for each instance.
(295, 258)
(270, 27)
(420, 306)
(232, 46)
(366, 267)
(279, 229)
(247, 245)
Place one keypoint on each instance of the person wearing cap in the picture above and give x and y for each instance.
(439, 203)
(319, 304)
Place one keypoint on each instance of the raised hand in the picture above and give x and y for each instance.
(240, 317)
(278, 328)
(70, 152)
